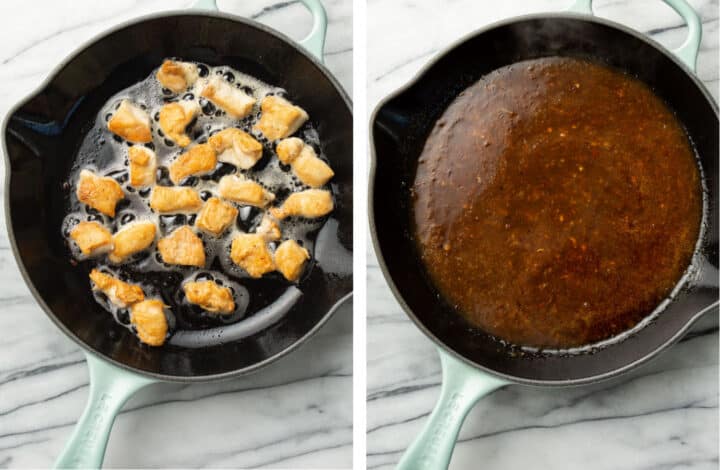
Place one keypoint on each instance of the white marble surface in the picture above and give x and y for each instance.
(663, 416)
(295, 414)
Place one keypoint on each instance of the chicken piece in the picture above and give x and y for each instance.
(250, 252)
(289, 149)
(102, 193)
(304, 161)
(216, 216)
(269, 229)
(310, 203)
(131, 123)
(92, 238)
(149, 320)
(233, 100)
(175, 200)
(199, 160)
(279, 118)
(290, 259)
(133, 238)
(118, 292)
(244, 191)
(209, 296)
(143, 166)
(174, 119)
(177, 76)
(236, 147)
(182, 247)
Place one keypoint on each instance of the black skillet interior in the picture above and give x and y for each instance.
(43, 134)
(399, 130)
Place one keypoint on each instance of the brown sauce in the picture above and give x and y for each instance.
(556, 203)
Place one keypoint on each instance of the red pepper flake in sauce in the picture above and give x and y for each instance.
(578, 224)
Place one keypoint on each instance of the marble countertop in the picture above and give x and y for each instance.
(296, 413)
(662, 416)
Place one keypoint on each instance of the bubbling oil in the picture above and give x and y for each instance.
(106, 154)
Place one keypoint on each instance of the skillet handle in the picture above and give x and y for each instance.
(462, 387)
(210, 5)
(314, 42)
(688, 51)
(110, 388)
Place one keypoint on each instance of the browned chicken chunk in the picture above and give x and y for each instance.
(305, 163)
(174, 119)
(236, 147)
(199, 160)
(92, 238)
(102, 193)
(279, 118)
(290, 259)
(239, 189)
(118, 292)
(175, 200)
(133, 238)
(143, 166)
(131, 123)
(311, 203)
(236, 103)
(177, 76)
(148, 318)
(269, 229)
(209, 296)
(216, 216)
(182, 247)
(250, 252)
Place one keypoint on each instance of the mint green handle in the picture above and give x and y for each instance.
(110, 388)
(462, 387)
(688, 51)
(314, 42)
(209, 5)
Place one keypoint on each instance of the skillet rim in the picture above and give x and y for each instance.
(8, 172)
(419, 76)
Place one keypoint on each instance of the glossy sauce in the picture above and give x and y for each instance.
(556, 203)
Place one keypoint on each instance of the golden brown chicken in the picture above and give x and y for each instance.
(279, 118)
(305, 163)
(133, 238)
(131, 122)
(182, 247)
(198, 160)
(239, 189)
(102, 193)
(311, 203)
(143, 166)
(174, 119)
(236, 103)
(177, 76)
(148, 318)
(236, 147)
(175, 200)
(92, 238)
(269, 229)
(118, 292)
(209, 296)
(290, 259)
(216, 216)
(250, 252)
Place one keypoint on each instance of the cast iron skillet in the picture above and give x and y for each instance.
(473, 362)
(40, 138)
